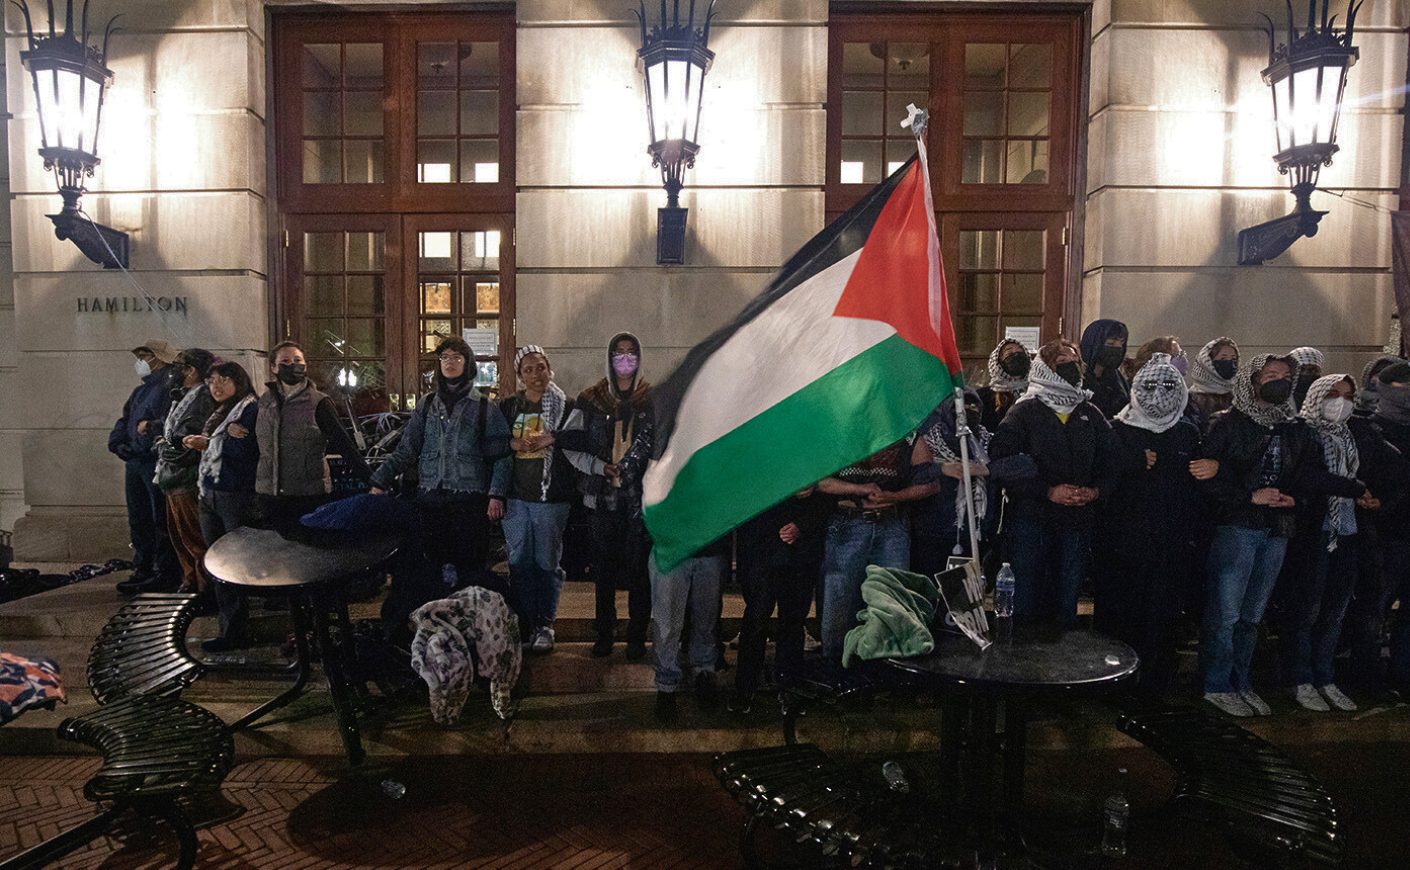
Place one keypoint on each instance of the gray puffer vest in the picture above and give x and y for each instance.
(291, 446)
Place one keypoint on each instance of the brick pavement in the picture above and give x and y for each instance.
(596, 812)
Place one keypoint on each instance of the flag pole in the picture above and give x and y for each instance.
(917, 120)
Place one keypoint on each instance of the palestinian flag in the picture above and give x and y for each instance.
(845, 352)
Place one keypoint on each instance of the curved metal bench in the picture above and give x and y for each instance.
(142, 649)
(846, 816)
(1249, 788)
(826, 681)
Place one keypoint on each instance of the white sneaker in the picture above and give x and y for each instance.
(1339, 700)
(810, 643)
(543, 641)
(1229, 702)
(1259, 705)
(1309, 699)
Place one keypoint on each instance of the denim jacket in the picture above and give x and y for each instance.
(447, 446)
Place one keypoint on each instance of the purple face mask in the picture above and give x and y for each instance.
(1180, 364)
(623, 363)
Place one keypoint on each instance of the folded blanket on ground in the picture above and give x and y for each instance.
(26, 683)
(896, 622)
(472, 629)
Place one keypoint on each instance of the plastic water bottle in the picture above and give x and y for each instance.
(895, 777)
(393, 789)
(1117, 813)
(1003, 593)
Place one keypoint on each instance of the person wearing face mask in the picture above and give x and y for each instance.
(295, 428)
(531, 491)
(939, 525)
(133, 440)
(454, 438)
(176, 470)
(1212, 380)
(1309, 362)
(608, 419)
(1368, 397)
(1269, 459)
(1324, 556)
(1008, 378)
(1050, 515)
(1147, 545)
(1103, 350)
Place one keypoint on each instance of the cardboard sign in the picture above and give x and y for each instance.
(962, 590)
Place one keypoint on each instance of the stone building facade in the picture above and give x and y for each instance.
(1171, 150)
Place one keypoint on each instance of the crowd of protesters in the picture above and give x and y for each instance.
(1207, 490)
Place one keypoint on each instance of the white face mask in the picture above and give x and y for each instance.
(1337, 410)
(143, 368)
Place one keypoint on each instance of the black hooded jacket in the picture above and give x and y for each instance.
(601, 406)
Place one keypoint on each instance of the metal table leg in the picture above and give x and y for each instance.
(338, 686)
(298, 609)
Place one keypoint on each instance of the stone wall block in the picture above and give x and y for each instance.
(739, 146)
(184, 231)
(56, 312)
(579, 12)
(148, 15)
(71, 467)
(1385, 14)
(612, 228)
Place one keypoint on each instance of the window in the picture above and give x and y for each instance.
(1001, 92)
(395, 165)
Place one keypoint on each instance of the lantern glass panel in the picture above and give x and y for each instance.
(1305, 105)
(1327, 104)
(1283, 112)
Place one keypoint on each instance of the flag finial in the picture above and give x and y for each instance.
(916, 119)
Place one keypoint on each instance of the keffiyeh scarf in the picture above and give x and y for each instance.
(1048, 387)
(1246, 394)
(211, 459)
(178, 410)
(940, 438)
(1158, 396)
(1203, 377)
(1001, 381)
(1307, 356)
(1338, 450)
(554, 401)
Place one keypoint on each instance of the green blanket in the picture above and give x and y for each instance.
(896, 621)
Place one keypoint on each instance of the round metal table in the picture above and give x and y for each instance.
(1031, 665)
(312, 573)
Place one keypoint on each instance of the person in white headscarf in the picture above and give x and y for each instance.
(1008, 366)
(1269, 461)
(532, 491)
(1049, 516)
(1147, 522)
(1212, 379)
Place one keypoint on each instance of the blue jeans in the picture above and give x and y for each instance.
(1243, 566)
(221, 513)
(533, 535)
(694, 586)
(152, 553)
(853, 544)
(1318, 605)
(1049, 564)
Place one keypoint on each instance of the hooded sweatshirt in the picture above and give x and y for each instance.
(1110, 392)
(606, 422)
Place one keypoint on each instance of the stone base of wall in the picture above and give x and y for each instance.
(71, 538)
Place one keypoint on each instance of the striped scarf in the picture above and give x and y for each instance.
(211, 458)
(1338, 450)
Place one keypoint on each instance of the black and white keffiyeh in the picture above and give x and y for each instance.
(1307, 356)
(211, 459)
(554, 401)
(1338, 450)
(1158, 396)
(178, 410)
(1001, 381)
(1048, 387)
(944, 446)
(1203, 377)
(1246, 394)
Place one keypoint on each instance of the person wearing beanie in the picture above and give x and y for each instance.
(133, 440)
(1147, 522)
(176, 468)
(531, 493)
(454, 438)
(1309, 368)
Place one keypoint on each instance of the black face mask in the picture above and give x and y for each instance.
(1070, 372)
(1110, 357)
(1225, 368)
(292, 373)
(1304, 383)
(1016, 365)
(1276, 392)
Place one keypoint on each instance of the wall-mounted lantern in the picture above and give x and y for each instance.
(1308, 77)
(69, 79)
(674, 60)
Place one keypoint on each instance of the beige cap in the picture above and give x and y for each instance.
(162, 350)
